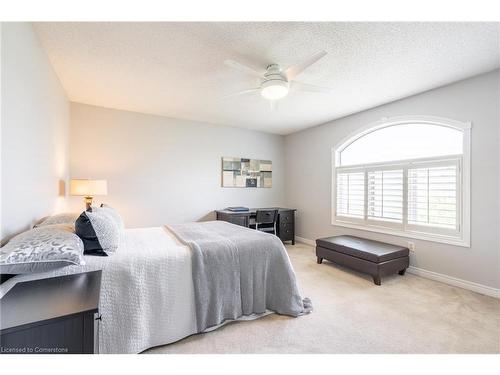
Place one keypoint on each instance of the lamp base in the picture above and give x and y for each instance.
(88, 203)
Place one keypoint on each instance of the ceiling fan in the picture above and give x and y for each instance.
(277, 81)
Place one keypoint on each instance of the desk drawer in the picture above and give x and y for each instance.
(286, 231)
(287, 217)
(238, 220)
(233, 218)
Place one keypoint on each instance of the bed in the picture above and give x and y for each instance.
(148, 296)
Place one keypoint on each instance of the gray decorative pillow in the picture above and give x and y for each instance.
(63, 218)
(41, 249)
(111, 212)
(98, 231)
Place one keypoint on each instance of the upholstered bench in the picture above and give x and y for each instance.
(372, 257)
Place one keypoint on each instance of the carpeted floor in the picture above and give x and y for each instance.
(407, 314)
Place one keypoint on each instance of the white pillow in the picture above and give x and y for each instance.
(42, 249)
(62, 218)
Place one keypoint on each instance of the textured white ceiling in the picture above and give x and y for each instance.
(177, 69)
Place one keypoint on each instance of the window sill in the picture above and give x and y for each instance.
(415, 235)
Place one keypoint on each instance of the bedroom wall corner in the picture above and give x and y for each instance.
(34, 132)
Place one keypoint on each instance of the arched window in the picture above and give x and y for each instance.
(407, 176)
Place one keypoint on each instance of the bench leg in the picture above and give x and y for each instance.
(377, 280)
(402, 272)
(319, 260)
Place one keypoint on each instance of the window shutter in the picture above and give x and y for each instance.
(385, 195)
(432, 196)
(351, 194)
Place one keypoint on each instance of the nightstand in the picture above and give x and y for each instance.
(55, 315)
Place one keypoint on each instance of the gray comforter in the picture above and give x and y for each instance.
(238, 272)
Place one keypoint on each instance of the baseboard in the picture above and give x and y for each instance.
(464, 284)
(305, 240)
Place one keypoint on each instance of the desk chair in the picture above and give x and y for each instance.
(265, 221)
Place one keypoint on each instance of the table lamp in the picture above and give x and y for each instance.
(88, 188)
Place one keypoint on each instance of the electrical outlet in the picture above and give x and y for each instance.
(411, 246)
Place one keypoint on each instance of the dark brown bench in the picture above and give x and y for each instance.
(372, 257)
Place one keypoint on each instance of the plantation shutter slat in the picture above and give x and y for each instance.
(432, 196)
(351, 194)
(385, 195)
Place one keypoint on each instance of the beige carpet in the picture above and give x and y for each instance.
(407, 314)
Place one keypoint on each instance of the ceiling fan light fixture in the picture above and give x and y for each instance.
(274, 90)
(276, 81)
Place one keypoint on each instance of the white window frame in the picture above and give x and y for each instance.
(459, 238)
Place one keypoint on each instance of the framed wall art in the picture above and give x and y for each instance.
(246, 173)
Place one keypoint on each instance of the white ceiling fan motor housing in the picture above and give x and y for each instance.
(275, 85)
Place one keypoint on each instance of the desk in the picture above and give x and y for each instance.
(285, 225)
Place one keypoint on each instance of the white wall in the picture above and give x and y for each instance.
(34, 131)
(308, 176)
(161, 170)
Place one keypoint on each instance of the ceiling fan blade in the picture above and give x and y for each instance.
(294, 70)
(311, 88)
(244, 68)
(243, 92)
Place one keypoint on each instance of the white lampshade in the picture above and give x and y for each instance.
(88, 188)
